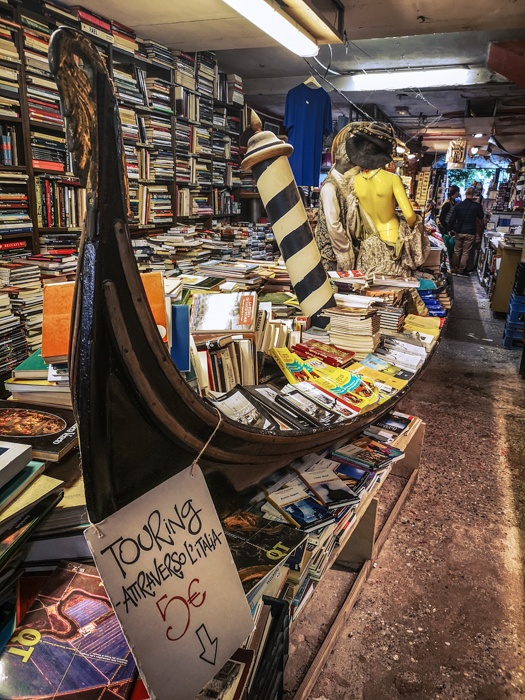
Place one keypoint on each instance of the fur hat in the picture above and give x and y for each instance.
(371, 145)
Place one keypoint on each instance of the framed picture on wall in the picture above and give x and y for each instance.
(271, 126)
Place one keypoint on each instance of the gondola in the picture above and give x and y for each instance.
(139, 421)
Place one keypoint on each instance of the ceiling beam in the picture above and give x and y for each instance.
(508, 59)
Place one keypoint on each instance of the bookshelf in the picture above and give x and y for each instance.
(180, 130)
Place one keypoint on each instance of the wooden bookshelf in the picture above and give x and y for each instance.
(143, 151)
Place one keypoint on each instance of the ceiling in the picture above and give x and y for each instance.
(383, 35)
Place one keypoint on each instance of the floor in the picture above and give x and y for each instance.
(441, 615)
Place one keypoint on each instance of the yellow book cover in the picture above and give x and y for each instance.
(424, 324)
(376, 375)
(35, 492)
(290, 365)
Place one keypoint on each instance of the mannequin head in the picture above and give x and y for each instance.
(371, 145)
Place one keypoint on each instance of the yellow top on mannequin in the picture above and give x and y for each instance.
(378, 192)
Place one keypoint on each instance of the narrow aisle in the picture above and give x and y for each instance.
(442, 613)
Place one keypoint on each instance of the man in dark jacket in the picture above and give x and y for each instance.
(448, 205)
(466, 218)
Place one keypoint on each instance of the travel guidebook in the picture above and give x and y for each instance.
(51, 434)
(299, 507)
(69, 644)
(258, 546)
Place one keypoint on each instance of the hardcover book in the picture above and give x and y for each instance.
(51, 434)
(216, 313)
(13, 458)
(17, 534)
(69, 643)
(21, 481)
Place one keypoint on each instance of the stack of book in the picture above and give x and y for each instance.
(14, 215)
(13, 343)
(391, 318)
(235, 89)
(48, 151)
(124, 38)
(159, 95)
(158, 53)
(158, 134)
(9, 95)
(26, 305)
(347, 280)
(355, 329)
(93, 24)
(206, 71)
(160, 211)
(42, 94)
(130, 85)
(27, 496)
(184, 69)
(56, 264)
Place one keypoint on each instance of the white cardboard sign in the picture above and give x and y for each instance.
(168, 571)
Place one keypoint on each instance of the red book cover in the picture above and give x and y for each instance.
(49, 165)
(69, 643)
(90, 18)
(11, 245)
(47, 195)
(330, 354)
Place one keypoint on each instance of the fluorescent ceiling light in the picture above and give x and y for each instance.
(477, 136)
(270, 19)
(404, 79)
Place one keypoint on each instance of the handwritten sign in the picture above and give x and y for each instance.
(167, 568)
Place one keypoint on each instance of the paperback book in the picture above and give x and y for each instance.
(368, 454)
(322, 481)
(299, 507)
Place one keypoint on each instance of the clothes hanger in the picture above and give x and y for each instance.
(313, 82)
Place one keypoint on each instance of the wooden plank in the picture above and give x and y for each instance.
(412, 449)
(360, 545)
(304, 690)
(385, 531)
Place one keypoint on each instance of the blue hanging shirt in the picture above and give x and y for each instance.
(308, 118)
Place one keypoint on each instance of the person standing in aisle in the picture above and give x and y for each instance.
(445, 214)
(331, 234)
(466, 219)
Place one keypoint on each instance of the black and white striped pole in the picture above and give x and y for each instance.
(267, 158)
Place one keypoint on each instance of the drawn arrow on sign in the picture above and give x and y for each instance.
(209, 646)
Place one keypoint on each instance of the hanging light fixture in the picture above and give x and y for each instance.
(267, 16)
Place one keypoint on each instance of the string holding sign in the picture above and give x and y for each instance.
(196, 460)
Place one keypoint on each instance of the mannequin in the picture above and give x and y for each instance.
(378, 192)
(390, 245)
